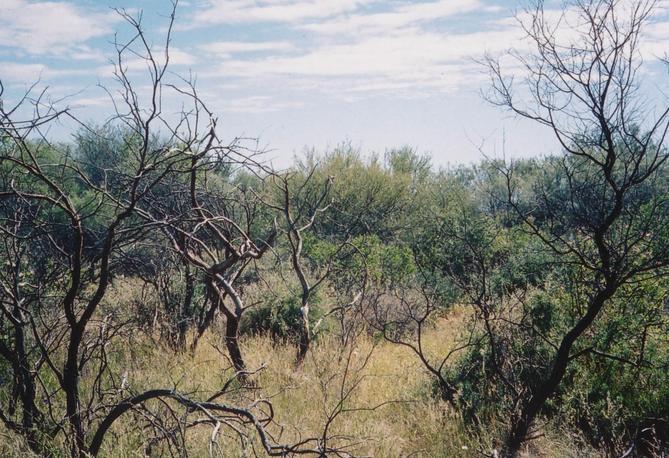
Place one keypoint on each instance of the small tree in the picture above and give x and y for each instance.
(303, 198)
(217, 226)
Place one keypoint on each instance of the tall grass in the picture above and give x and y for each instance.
(384, 398)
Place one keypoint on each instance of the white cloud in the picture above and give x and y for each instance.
(136, 64)
(399, 17)
(88, 102)
(238, 11)
(257, 104)
(408, 58)
(360, 46)
(656, 43)
(15, 72)
(179, 57)
(228, 48)
(87, 53)
(49, 27)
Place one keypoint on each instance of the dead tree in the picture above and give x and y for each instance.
(582, 79)
(299, 209)
(212, 223)
(304, 199)
(215, 242)
(215, 226)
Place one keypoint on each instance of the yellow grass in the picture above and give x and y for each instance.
(397, 416)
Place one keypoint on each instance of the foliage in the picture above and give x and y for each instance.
(560, 263)
(279, 318)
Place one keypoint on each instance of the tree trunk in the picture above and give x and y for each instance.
(27, 390)
(71, 388)
(23, 386)
(185, 311)
(232, 343)
(305, 334)
(541, 394)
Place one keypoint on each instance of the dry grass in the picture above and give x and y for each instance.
(392, 412)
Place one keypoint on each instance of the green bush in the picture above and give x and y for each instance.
(615, 392)
(620, 394)
(279, 318)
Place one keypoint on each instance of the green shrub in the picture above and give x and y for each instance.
(279, 318)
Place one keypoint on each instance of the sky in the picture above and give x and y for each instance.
(299, 74)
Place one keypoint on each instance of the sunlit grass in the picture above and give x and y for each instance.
(391, 410)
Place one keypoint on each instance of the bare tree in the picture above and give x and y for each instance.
(214, 224)
(212, 228)
(298, 220)
(301, 201)
(582, 83)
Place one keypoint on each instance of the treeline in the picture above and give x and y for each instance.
(561, 261)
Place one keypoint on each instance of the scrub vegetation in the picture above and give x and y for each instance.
(164, 293)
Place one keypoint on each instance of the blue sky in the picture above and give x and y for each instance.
(304, 73)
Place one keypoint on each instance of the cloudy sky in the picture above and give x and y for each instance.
(304, 73)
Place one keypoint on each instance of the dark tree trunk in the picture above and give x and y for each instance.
(71, 388)
(205, 320)
(184, 312)
(541, 394)
(23, 387)
(26, 385)
(232, 343)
